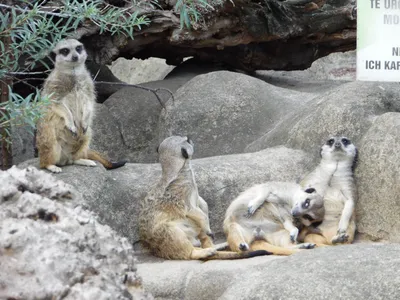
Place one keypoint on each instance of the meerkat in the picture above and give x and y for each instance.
(334, 176)
(173, 216)
(267, 216)
(64, 132)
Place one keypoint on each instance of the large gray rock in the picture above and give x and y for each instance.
(349, 109)
(357, 272)
(378, 180)
(225, 111)
(114, 195)
(51, 247)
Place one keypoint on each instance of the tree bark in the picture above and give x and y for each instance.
(245, 34)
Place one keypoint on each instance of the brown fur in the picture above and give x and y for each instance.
(173, 216)
(64, 132)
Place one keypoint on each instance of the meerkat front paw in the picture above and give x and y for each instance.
(251, 208)
(244, 247)
(340, 238)
(294, 233)
(72, 129)
(210, 234)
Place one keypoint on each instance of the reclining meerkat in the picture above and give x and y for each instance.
(173, 216)
(264, 217)
(334, 176)
(64, 132)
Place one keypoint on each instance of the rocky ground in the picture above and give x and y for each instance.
(246, 130)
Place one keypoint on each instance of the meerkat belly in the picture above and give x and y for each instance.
(266, 219)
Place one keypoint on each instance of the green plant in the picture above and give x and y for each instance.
(190, 11)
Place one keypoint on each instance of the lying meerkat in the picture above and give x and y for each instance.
(64, 132)
(173, 216)
(264, 217)
(334, 176)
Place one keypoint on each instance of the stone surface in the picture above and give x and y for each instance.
(114, 195)
(225, 111)
(378, 180)
(51, 247)
(359, 271)
(348, 109)
(136, 71)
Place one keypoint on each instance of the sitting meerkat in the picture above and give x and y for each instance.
(334, 176)
(264, 217)
(173, 216)
(64, 132)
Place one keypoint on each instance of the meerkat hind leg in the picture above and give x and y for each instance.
(236, 239)
(263, 245)
(85, 162)
(317, 239)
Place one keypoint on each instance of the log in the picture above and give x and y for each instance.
(248, 35)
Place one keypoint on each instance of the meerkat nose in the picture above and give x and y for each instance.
(74, 58)
(337, 145)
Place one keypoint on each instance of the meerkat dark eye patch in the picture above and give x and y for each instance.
(330, 142)
(310, 190)
(184, 153)
(79, 48)
(306, 203)
(64, 51)
(345, 141)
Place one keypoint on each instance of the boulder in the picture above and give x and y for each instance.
(349, 109)
(339, 272)
(378, 180)
(128, 125)
(51, 247)
(115, 195)
(225, 111)
(137, 71)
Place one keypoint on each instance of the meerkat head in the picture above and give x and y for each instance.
(174, 153)
(308, 206)
(339, 148)
(69, 53)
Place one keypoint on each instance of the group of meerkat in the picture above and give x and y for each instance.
(278, 218)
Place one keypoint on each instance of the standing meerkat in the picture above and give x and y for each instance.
(265, 217)
(64, 133)
(173, 216)
(334, 176)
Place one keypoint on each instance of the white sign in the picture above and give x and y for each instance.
(378, 40)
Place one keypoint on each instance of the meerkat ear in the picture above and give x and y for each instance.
(157, 148)
(185, 154)
(310, 190)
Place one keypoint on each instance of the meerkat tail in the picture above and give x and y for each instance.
(105, 162)
(237, 255)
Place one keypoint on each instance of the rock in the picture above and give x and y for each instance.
(51, 247)
(107, 137)
(348, 109)
(378, 180)
(115, 195)
(345, 272)
(239, 110)
(136, 112)
(137, 71)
